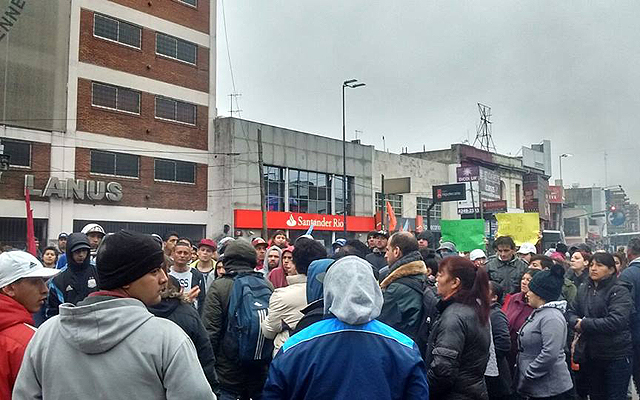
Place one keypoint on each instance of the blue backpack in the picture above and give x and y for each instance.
(248, 307)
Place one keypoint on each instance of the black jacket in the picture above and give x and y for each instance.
(458, 353)
(507, 274)
(75, 282)
(377, 261)
(187, 318)
(232, 374)
(313, 313)
(500, 385)
(198, 279)
(605, 311)
(402, 307)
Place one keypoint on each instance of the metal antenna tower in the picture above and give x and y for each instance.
(234, 97)
(483, 133)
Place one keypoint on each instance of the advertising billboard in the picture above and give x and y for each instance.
(34, 59)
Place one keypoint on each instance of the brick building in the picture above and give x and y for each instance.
(107, 116)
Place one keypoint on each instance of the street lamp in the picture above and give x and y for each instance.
(350, 83)
(563, 155)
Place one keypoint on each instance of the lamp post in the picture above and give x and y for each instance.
(561, 213)
(563, 155)
(350, 83)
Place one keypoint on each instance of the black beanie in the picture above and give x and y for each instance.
(548, 283)
(126, 256)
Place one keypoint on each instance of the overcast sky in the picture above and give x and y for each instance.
(568, 71)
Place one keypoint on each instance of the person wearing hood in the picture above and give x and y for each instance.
(78, 278)
(347, 340)
(175, 307)
(278, 275)
(287, 302)
(506, 269)
(110, 345)
(236, 379)
(23, 290)
(272, 260)
(542, 370)
(600, 314)
(403, 287)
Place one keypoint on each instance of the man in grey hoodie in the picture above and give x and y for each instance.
(109, 344)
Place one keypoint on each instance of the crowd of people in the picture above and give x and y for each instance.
(399, 316)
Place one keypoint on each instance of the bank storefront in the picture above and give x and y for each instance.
(325, 227)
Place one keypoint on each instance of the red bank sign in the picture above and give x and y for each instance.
(252, 219)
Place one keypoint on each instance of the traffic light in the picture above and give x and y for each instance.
(612, 209)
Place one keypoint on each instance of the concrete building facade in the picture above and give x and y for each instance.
(138, 105)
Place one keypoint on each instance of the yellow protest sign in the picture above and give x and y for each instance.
(522, 227)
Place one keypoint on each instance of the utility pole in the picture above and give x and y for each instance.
(606, 175)
(263, 200)
(384, 203)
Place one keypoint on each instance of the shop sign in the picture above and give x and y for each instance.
(453, 192)
(556, 194)
(75, 188)
(490, 207)
(468, 174)
(252, 219)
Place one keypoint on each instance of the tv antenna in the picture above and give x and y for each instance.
(483, 133)
(234, 97)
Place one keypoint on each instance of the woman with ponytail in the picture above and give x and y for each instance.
(459, 342)
(542, 371)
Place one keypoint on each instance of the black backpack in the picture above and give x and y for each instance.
(429, 312)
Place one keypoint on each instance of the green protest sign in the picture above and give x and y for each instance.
(467, 234)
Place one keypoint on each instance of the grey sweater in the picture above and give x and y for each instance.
(542, 370)
(110, 349)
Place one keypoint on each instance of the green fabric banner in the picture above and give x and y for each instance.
(467, 234)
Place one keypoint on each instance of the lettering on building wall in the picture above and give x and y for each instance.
(10, 16)
(75, 188)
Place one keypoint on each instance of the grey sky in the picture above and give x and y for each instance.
(568, 71)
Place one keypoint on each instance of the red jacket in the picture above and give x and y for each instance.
(16, 331)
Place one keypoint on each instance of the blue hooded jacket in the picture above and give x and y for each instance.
(350, 356)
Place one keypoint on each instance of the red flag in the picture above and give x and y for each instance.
(31, 238)
(392, 217)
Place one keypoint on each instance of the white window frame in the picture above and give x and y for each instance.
(25, 167)
(436, 211)
(93, 83)
(187, 4)
(118, 40)
(391, 201)
(176, 57)
(114, 166)
(195, 171)
(155, 111)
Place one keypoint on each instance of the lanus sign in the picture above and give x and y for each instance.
(75, 188)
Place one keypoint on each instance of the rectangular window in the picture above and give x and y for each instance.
(175, 171)
(274, 184)
(422, 205)
(117, 31)
(394, 199)
(176, 48)
(193, 3)
(517, 196)
(115, 97)
(118, 164)
(175, 110)
(19, 152)
(338, 187)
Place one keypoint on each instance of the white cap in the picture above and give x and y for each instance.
(91, 228)
(527, 248)
(477, 253)
(16, 265)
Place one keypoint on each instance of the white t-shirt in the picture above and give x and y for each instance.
(185, 281)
